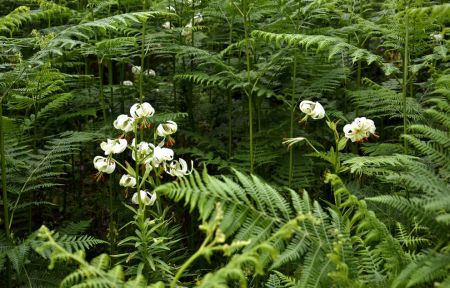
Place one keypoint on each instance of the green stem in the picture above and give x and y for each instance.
(291, 130)
(249, 93)
(112, 226)
(141, 75)
(3, 165)
(5, 193)
(229, 99)
(405, 82)
(186, 264)
(101, 95)
(111, 90)
(137, 165)
(80, 175)
(122, 92)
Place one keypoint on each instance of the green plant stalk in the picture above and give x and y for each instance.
(112, 226)
(101, 95)
(4, 191)
(3, 165)
(110, 82)
(229, 99)
(249, 93)
(141, 75)
(174, 84)
(405, 82)
(191, 259)
(291, 130)
(80, 174)
(143, 233)
(87, 83)
(122, 93)
(138, 186)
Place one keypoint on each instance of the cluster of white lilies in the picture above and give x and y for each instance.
(358, 131)
(143, 153)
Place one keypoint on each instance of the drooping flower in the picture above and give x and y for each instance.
(144, 150)
(150, 73)
(313, 109)
(127, 181)
(167, 25)
(147, 198)
(142, 110)
(161, 154)
(438, 37)
(360, 129)
(187, 30)
(124, 122)
(104, 165)
(127, 83)
(177, 168)
(198, 18)
(114, 146)
(167, 128)
(136, 69)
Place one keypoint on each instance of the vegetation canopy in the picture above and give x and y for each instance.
(236, 143)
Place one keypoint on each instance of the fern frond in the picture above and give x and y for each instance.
(334, 46)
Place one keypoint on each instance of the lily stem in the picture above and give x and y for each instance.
(141, 74)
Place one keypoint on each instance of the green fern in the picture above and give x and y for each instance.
(334, 45)
(97, 273)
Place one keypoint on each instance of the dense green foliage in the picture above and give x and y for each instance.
(276, 199)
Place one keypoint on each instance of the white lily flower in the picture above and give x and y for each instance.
(171, 8)
(438, 37)
(166, 25)
(136, 69)
(147, 198)
(360, 129)
(144, 151)
(142, 110)
(178, 168)
(127, 181)
(150, 73)
(104, 165)
(187, 30)
(162, 154)
(127, 83)
(167, 128)
(114, 146)
(313, 109)
(196, 2)
(198, 18)
(124, 122)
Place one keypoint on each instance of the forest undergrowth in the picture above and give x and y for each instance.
(236, 143)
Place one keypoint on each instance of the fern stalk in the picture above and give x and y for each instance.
(405, 80)
(3, 165)
(110, 82)
(191, 259)
(291, 130)
(5, 194)
(122, 92)
(249, 93)
(101, 94)
(229, 99)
